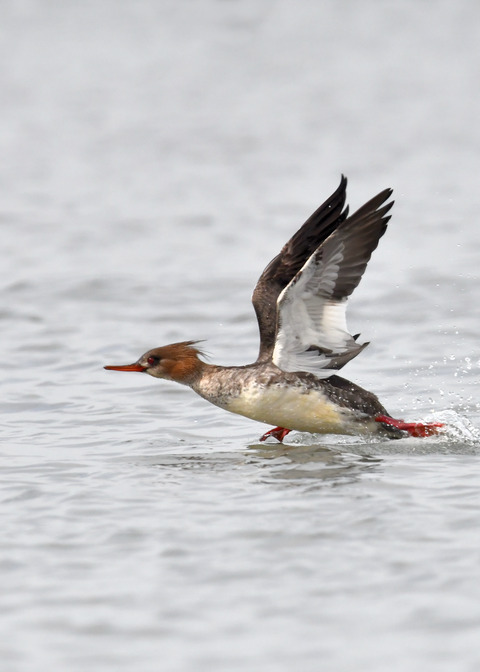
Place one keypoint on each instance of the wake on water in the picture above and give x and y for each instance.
(457, 436)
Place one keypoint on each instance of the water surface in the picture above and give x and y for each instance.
(155, 156)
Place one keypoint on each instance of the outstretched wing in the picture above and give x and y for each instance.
(312, 332)
(282, 269)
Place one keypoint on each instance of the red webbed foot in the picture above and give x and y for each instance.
(278, 433)
(419, 429)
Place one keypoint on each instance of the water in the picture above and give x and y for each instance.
(155, 156)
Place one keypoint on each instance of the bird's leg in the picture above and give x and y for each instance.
(278, 433)
(421, 429)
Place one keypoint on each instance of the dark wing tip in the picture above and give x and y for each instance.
(373, 205)
(360, 234)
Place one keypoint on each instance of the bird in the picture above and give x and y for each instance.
(300, 302)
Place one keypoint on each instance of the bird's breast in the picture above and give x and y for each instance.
(304, 410)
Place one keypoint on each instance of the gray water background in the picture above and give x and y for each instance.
(154, 157)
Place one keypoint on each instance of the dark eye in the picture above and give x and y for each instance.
(152, 360)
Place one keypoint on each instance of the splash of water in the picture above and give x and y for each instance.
(457, 428)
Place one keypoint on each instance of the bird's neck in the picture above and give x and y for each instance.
(187, 370)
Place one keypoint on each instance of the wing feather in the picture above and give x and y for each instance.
(312, 333)
(290, 260)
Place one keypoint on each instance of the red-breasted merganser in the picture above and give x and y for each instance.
(300, 302)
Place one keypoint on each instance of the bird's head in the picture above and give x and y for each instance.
(177, 361)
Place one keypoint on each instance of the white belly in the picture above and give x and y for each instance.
(310, 411)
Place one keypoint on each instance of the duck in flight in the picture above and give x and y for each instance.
(300, 302)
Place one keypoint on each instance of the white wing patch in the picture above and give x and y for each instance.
(312, 330)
